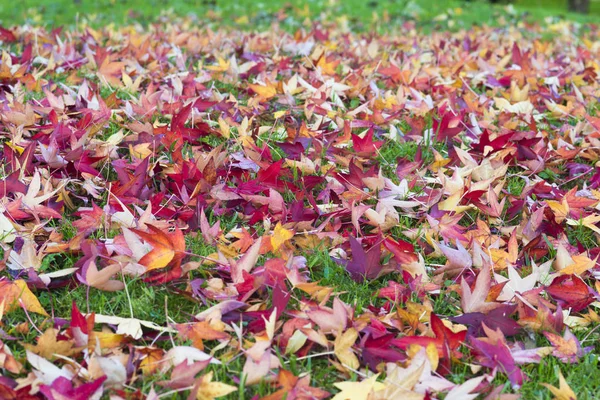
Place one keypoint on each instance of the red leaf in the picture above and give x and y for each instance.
(571, 292)
(445, 341)
(63, 389)
(7, 35)
(403, 251)
(366, 144)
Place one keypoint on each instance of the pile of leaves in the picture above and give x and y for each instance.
(453, 176)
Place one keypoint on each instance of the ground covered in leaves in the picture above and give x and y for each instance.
(322, 213)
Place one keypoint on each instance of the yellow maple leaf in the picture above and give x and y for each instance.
(222, 66)
(560, 209)
(343, 348)
(358, 390)
(48, 345)
(581, 263)
(564, 391)
(209, 390)
(327, 67)
(265, 92)
(280, 236)
(13, 293)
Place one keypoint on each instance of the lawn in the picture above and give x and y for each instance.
(431, 14)
(347, 200)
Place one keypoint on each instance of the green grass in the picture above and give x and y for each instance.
(253, 14)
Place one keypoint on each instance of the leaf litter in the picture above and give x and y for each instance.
(383, 153)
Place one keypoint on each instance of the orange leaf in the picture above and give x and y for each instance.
(264, 92)
(167, 248)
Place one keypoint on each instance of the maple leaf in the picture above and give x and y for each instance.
(7, 35)
(29, 257)
(91, 219)
(570, 291)
(294, 388)
(400, 382)
(64, 389)
(184, 374)
(445, 340)
(581, 263)
(111, 72)
(564, 391)
(515, 284)
(448, 125)
(465, 390)
(168, 250)
(7, 230)
(364, 264)
(358, 390)
(32, 200)
(265, 92)
(130, 326)
(403, 251)
(48, 345)
(45, 371)
(458, 258)
(498, 318)
(476, 300)
(209, 233)
(100, 279)
(566, 348)
(280, 236)
(343, 348)
(16, 293)
(246, 263)
(365, 145)
(496, 354)
(330, 319)
(8, 361)
(207, 389)
(203, 330)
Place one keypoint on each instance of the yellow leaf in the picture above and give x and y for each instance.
(209, 390)
(222, 67)
(48, 345)
(560, 209)
(280, 236)
(224, 127)
(11, 293)
(343, 348)
(264, 92)
(279, 114)
(327, 68)
(564, 392)
(315, 291)
(580, 264)
(358, 390)
(400, 382)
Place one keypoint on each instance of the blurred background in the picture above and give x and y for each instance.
(361, 13)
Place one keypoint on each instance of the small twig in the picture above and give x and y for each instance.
(589, 333)
(128, 297)
(325, 353)
(170, 392)
(167, 320)
(575, 177)
(29, 318)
